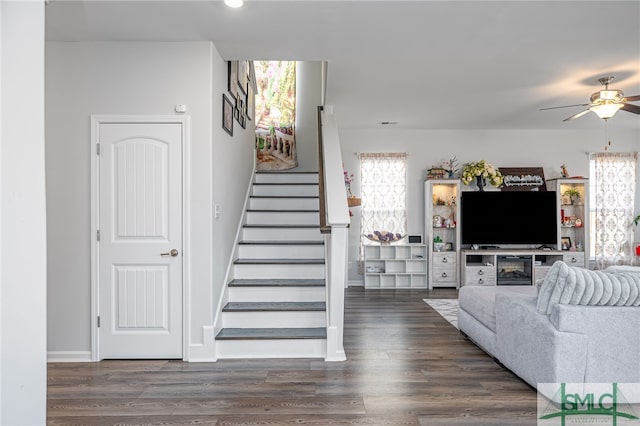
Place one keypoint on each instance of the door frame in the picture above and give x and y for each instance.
(96, 121)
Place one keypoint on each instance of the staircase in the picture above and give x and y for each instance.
(276, 299)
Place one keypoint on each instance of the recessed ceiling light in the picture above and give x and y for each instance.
(388, 123)
(234, 3)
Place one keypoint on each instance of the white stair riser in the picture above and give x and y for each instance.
(278, 348)
(282, 203)
(278, 271)
(274, 319)
(286, 177)
(283, 218)
(282, 234)
(277, 294)
(276, 190)
(279, 251)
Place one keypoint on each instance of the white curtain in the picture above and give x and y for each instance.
(383, 185)
(613, 207)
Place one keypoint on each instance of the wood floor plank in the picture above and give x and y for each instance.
(405, 366)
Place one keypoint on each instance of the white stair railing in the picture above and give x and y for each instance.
(334, 223)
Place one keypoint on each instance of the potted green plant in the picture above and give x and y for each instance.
(573, 194)
(438, 244)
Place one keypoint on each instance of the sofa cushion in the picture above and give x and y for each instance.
(480, 301)
(578, 286)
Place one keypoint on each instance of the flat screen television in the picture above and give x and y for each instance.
(509, 218)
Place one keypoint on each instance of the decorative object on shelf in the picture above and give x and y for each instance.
(565, 243)
(415, 239)
(451, 167)
(438, 244)
(436, 173)
(448, 246)
(523, 179)
(437, 221)
(481, 170)
(384, 237)
(563, 171)
(574, 195)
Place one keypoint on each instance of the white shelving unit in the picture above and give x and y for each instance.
(573, 215)
(395, 266)
(442, 213)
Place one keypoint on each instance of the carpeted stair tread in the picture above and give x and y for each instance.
(271, 333)
(277, 283)
(279, 262)
(273, 306)
(265, 225)
(282, 242)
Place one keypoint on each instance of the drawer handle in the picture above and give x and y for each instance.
(574, 260)
(444, 275)
(444, 260)
(480, 281)
(480, 272)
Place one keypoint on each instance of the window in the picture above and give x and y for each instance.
(383, 185)
(612, 187)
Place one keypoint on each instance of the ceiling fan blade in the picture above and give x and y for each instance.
(631, 108)
(578, 115)
(564, 106)
(633, 98)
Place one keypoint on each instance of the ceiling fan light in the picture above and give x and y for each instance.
(234, 3)
(606, 111)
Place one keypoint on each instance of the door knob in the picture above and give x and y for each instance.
(172, 253)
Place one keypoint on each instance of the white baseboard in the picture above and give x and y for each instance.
(204, 352)
(69, 356)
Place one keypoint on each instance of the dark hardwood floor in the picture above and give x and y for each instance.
(406, 366)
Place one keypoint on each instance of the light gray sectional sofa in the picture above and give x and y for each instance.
(576, 326)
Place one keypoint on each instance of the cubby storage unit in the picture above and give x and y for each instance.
(483, 267)
(573, 215)
(395, 266)
(442, 213)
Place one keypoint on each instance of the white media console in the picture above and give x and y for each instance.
(512, 267)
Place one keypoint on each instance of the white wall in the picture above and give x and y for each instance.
(233, 163)
(23, 373)
(308, 97)
(137, 78)
(525, 148)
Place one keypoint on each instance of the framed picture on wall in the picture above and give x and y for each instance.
(232, 78)
(251, 99)
(227, 114)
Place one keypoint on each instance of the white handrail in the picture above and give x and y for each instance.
(336, 242)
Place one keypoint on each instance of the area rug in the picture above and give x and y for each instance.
(448, 308)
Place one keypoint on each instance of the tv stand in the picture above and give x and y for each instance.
(489, 247)
(482, 267)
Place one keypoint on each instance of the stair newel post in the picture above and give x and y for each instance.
(336, 277)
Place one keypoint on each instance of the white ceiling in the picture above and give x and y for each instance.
(424, 64)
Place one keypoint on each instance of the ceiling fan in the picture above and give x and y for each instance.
(605, 103)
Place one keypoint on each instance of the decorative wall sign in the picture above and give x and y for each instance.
(523, 179)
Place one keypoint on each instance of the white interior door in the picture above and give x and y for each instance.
(140, 247)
